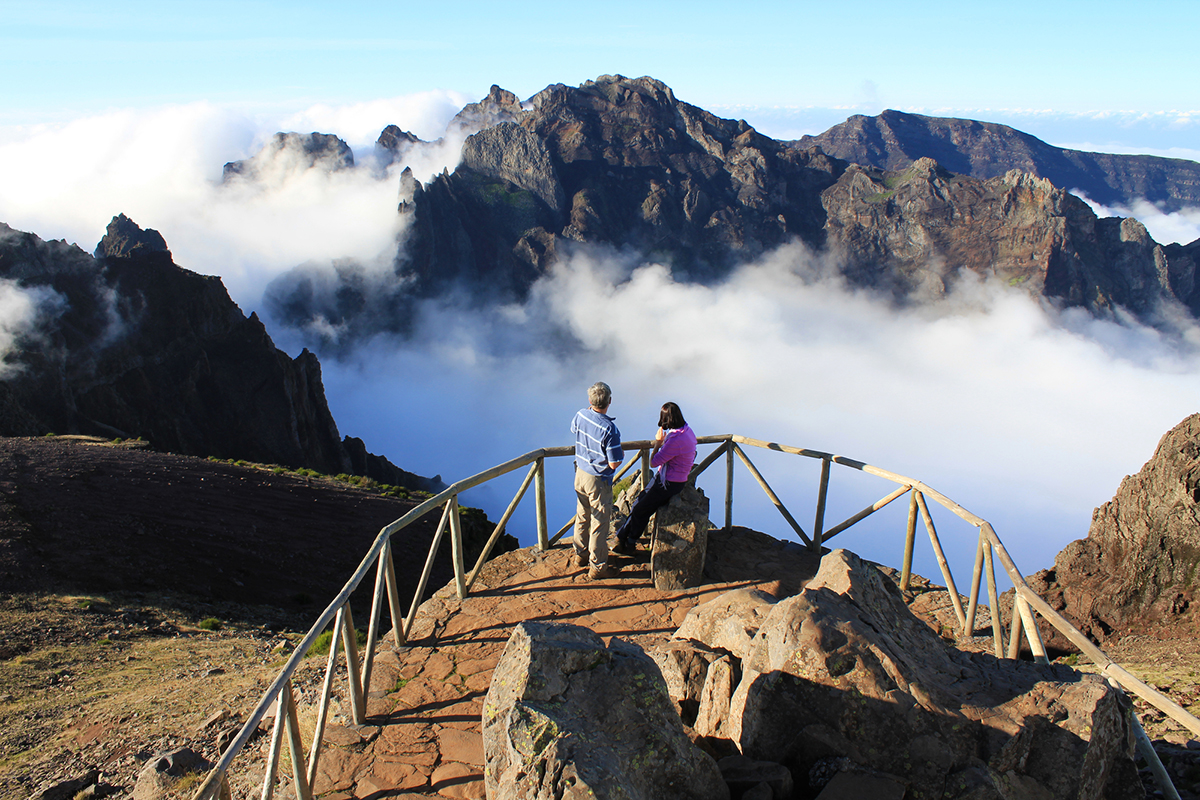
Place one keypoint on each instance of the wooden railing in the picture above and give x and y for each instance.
(359, 666)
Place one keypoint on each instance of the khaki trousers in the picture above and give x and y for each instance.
(593, 515)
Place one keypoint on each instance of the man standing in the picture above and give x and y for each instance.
(598, 453)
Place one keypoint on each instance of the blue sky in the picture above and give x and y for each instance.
(1104, 73)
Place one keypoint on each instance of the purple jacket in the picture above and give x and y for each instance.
(677, 454)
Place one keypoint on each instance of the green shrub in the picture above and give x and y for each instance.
(210, 624)
(320, 645)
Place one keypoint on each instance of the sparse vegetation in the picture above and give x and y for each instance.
(210, 624)
(322, 643)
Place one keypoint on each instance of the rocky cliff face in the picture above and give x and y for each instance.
(140, 347)
(1138, 568)
(895, 140)
(624, 164)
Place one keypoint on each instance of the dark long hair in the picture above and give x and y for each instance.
(670, 417)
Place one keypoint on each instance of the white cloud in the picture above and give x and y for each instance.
(162, 168)
(1181, 226)
(21, 310)
(1026, 416)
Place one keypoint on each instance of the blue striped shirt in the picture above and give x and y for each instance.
(597, 442)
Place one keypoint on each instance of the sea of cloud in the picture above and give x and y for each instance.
(1027, 415)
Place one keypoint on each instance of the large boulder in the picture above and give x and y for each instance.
(680, 540)
(729, 621)
(1137, 569)
(567, 717)
(844, 670)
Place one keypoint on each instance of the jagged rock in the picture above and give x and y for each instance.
(133, 345)
(729, 621)
(1137, 569)
(157, 778)
(508, 152)
(684, 667)
(66, 790)
(288, 154)
(712, 716)
(843, 670)
(392, 144)
(124, 239)
(743, 774)
(567, 717)
(498, 107)
(680, 537)
(893, 140)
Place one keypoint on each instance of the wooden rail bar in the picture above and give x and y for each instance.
(296, 748)
(1032, 636)
(697, 469)
(866, 512)
(535, 470)
(771, 494)
(314, 752)
(271, 769)
(1014, 632)
(424, 580)
(994, 601)
(562, 530)
(942, 563)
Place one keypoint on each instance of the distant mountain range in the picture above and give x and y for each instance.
(895, 140)
(904, 204)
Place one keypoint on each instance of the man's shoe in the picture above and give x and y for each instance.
(581, 561)
(603, 571)
(625, 548)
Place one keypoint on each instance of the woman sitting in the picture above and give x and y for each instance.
(674, 453)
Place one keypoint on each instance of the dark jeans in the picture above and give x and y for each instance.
(653, 497)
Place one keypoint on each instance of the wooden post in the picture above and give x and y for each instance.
(645, 461)
(539, 495)
(358, 692)
(729, 486)
(941, 557)
(994, 600)
(1014, 634)
(822, 492)
(508, 512)
(314, 752)
(976, 578)
(1032, 634)
(910, 539)
(456, 549)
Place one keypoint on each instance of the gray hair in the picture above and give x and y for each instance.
(599, 395)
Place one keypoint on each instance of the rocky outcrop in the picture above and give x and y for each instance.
(680, 540)
(1138, 568)
(895, 140)
(566, 716)
(134, 346)
(291, 153)
(843, 675)
(622, 163)
(915, 232)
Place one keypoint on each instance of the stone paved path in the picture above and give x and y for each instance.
(423, 737)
